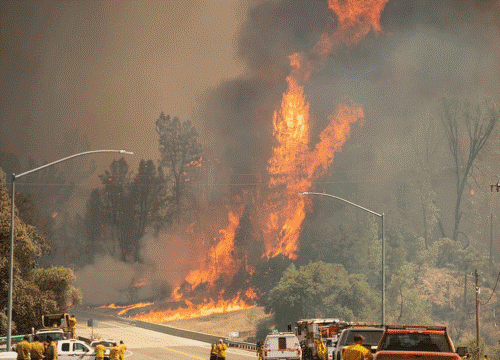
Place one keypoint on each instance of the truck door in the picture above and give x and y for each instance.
(64, 351)
(82, 351)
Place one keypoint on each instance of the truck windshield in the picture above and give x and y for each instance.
(55, 336)
(416, 342)
(372, 336)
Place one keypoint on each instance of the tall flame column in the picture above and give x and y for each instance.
(383, 242)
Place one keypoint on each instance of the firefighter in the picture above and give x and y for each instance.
(113, 353)
(357, 351)
(221, 350)
(23, 349)
(99, 349)
(72, 326)
(51, 349)
(213, 352)
(121, 350)
(37, 349)
(321, 349)
(260, 346)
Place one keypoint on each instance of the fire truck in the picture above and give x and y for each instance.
(55, 326)
(310, 330)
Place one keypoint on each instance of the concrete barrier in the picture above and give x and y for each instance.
(188, 334)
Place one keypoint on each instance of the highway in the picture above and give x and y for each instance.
(145, 344)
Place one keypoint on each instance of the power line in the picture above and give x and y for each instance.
(493, 292)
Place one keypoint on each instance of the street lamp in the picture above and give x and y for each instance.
(11, 258)
(381, 216)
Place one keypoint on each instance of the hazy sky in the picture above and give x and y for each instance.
(107, 68)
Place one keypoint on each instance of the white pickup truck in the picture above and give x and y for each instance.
(75, 349)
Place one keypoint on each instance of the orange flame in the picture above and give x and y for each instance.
(134, 306)
(287, 167)
(251, 294)
(292, 166)
(208, 307)
(125, 308)
(356, 18)
(219, 260)
(111, 306)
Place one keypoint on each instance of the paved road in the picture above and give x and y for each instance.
(145, 344)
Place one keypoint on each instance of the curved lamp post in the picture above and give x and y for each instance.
(11, 258)
(381, 216)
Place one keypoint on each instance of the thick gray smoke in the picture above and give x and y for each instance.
(426, 50)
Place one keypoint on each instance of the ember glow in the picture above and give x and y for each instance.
(140, 283)
(293, 167)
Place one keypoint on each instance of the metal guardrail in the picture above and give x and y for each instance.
(188, 334)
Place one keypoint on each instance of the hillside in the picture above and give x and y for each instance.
(242, 321)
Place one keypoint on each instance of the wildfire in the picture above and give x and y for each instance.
(219, 260)
(134, 306)
(125, 308)
(293, 167)
(208, 307)
(111, 306)
(356, 18)
(287, 167)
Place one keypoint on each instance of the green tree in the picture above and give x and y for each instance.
(403, 300)
(320, 290)
(29, 300)
(180, 158)
(57, 280)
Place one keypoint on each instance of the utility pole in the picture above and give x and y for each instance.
(476, 275)
(491, 240)
(495, 186)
